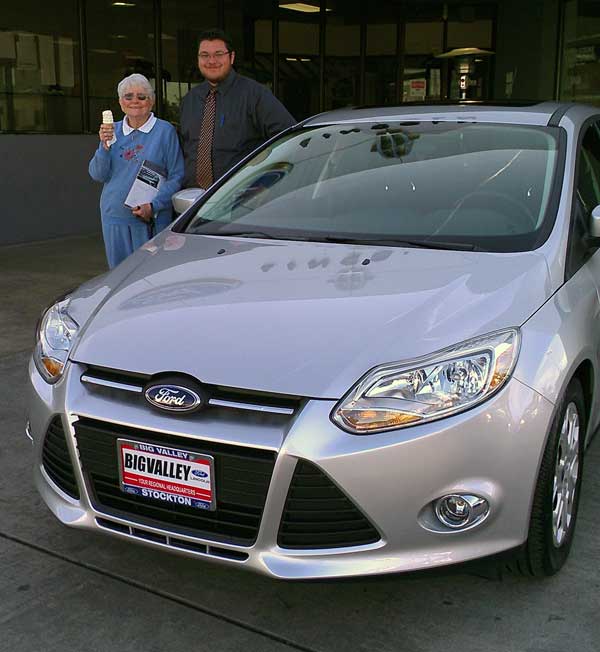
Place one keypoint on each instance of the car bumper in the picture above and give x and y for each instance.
(392, 478)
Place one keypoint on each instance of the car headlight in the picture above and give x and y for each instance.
(447, 382)
(55, 334)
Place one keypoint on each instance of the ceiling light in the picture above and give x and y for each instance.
(291, 59)
(463, 52)
(123, 4)
(302, 6)
(164, 37)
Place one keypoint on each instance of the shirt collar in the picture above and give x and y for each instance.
(224, 86)
(146, 127)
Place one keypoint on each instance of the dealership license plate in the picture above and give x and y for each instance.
(171, 475)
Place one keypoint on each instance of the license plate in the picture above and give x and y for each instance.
(171, 475)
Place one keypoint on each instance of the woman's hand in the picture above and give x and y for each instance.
(106, 134)
(144, 212)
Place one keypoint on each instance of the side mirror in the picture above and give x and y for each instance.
(595, 223)
(592, 238)
(183, 199)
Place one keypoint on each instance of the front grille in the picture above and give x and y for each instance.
(318, 515)
(173, 542)
(56, 459)
(218, 395)
(242, 477)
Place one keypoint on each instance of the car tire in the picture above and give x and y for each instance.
(556, 498)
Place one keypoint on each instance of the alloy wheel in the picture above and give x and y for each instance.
(566, 472)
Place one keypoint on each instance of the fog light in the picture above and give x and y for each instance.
(459, 511)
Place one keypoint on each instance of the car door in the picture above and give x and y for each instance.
(587, 197)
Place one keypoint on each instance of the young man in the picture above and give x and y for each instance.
(226, 116)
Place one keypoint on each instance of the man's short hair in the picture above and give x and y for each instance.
(215, 34)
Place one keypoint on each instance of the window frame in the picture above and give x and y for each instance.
(547, 224)
(578, 255)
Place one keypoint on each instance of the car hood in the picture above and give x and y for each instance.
(298, 318)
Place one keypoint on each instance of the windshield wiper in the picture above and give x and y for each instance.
(241, 234)
(378, 242)
(260, 234)
(421, 244)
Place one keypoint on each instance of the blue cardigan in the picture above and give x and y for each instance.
(118, 166)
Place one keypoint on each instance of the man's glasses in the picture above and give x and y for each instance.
(131, 96)
(205, 56)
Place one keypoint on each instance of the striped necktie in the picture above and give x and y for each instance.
(204, 167)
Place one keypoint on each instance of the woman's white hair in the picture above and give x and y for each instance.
(134, 80)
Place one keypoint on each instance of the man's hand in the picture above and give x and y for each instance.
(144, 212)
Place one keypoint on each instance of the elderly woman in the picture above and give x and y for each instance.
(139, 137)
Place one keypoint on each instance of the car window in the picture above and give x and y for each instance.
(587, 198)
(482, 184)
(588, 180)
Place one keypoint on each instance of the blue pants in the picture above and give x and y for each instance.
(121, 240)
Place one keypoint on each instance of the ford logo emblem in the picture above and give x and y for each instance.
(173, 398)
(200, 474)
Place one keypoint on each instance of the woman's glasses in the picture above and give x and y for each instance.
(140, 96)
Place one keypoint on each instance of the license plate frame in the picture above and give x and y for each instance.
(152, 472)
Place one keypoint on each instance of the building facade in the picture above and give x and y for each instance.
(60, 62)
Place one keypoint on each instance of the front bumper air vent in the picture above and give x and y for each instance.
(56, 459)
(318, 515)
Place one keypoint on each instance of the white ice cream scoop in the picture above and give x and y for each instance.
(107, 119)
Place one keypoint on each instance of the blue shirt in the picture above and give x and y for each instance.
(118, 166)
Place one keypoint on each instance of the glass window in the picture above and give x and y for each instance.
(581, 54)
(424, 38)
(299, 60)
(422, 70)
(475, 33)
(470, 30)
(526, 48)
(120, 39)
(471, 25)
(342, 55)
(373, 181)
(381, 63)
(39, 67)
(588, 197)
(182, 23)
(249, 23)
(588, 181)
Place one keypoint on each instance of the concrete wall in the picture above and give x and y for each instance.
(45, 189)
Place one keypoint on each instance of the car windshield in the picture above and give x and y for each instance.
(434, 184)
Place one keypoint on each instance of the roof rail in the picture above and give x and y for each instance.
(503, 102)
(556, 117)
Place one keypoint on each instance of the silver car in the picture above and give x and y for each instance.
(372, 347)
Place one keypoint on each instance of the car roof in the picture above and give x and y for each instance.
(535, 113)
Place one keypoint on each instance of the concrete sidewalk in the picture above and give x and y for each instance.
(66, 590)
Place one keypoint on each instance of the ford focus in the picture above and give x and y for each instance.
(372, 347)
